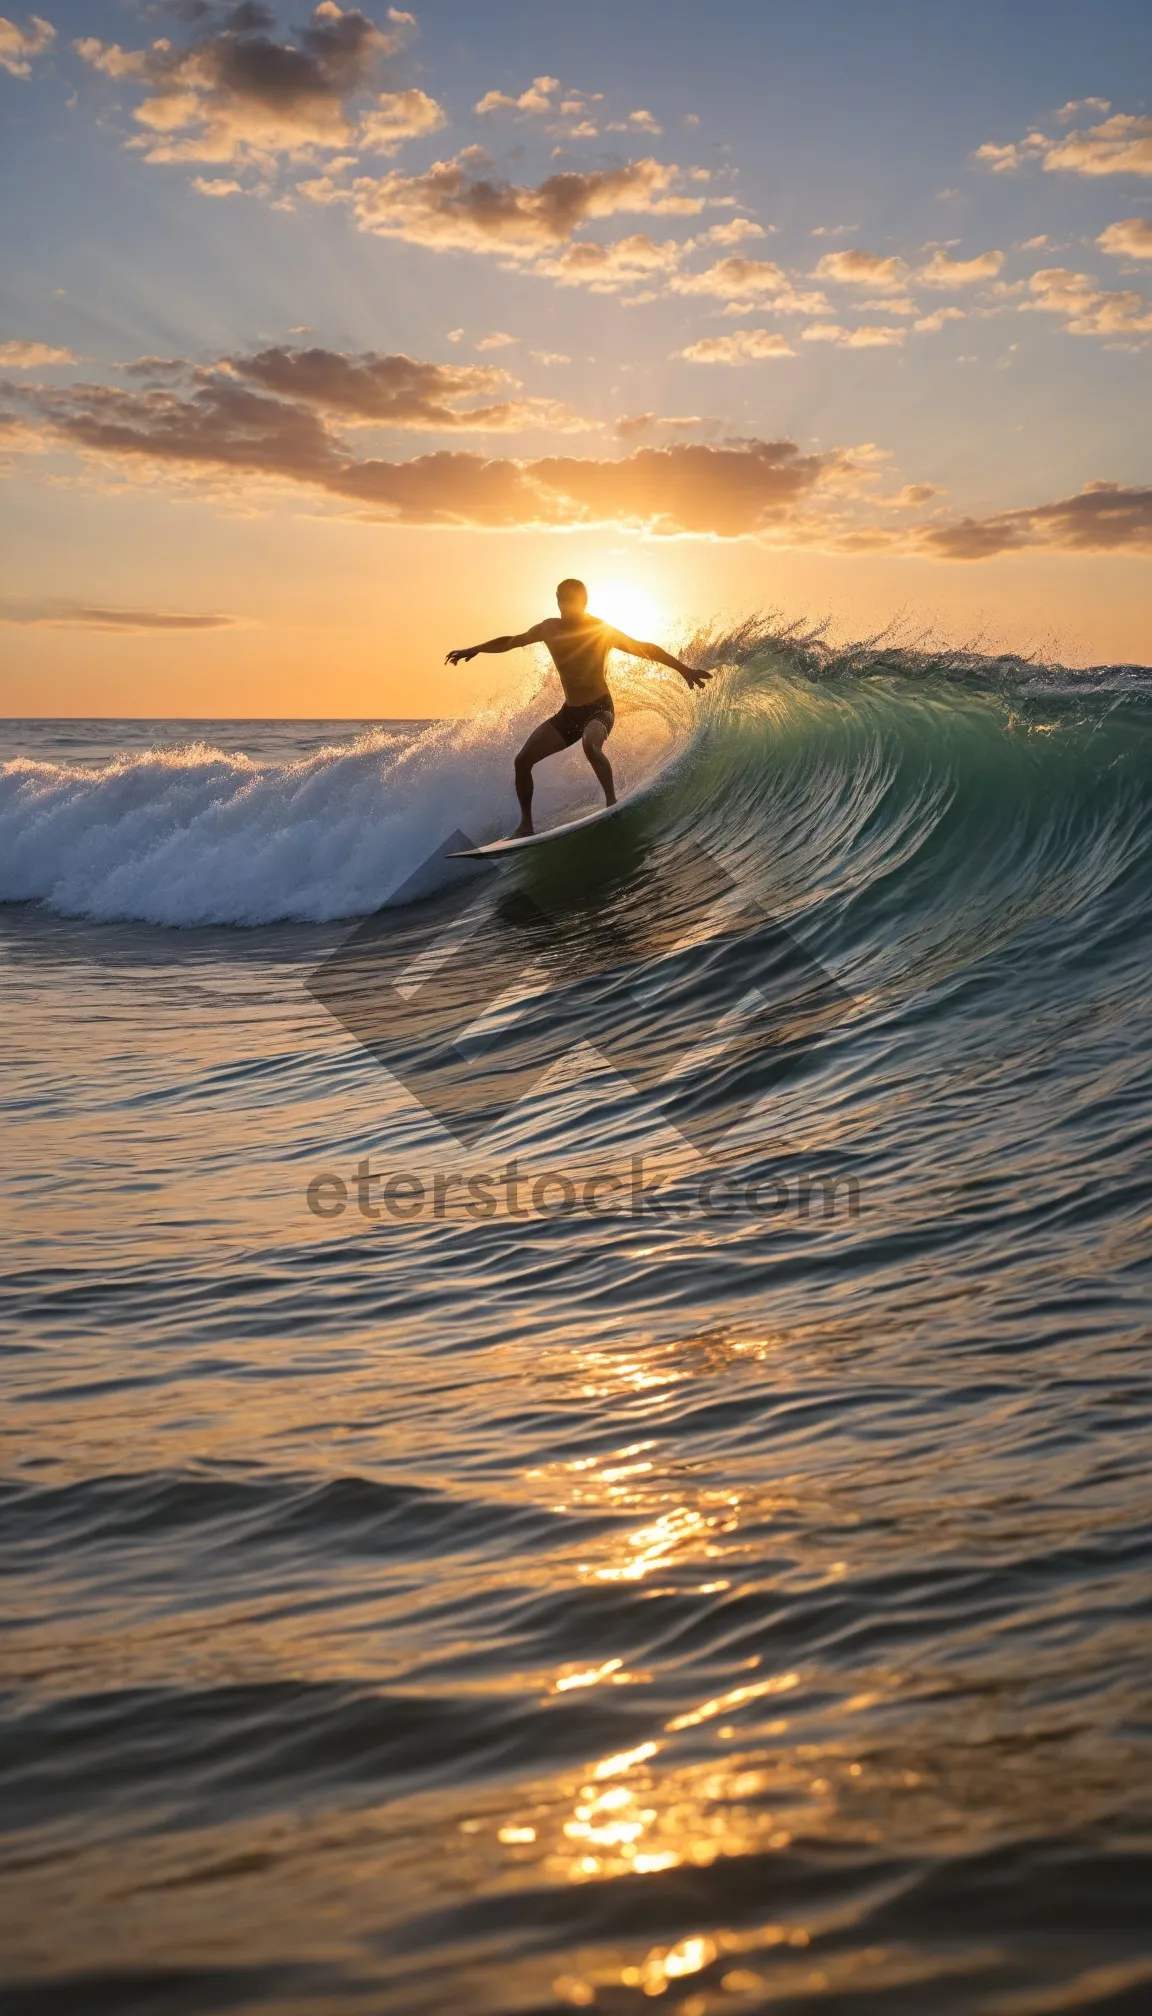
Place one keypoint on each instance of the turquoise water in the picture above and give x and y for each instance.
(736, 1595)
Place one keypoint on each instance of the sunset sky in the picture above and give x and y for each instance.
(330, 341)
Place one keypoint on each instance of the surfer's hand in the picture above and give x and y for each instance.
(462, 657)
(693, 678)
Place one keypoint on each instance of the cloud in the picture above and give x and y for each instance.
(237, 94)
(745, 346)
(21, 356)
(1068, 112)
(629, 426)
(1121, 145)
(452, 207)
(19, 47)
(731, 233)
(1089, 309)
(736, 279)
(228, 431)
(943, 272)
(857, 268)
(496, 339)
(636, 122)
(1129, 238)
(391, 391)
(218, 185)
(869, 337)
(76, 616)
(550, 356)
(233, 432)
(745, 283)
(398, 116)
(1102, 518)
(937, 319)
(541, 96)
(607, 269)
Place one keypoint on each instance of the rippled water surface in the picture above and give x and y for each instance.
(742, 1603)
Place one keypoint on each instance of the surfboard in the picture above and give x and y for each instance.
(497, 849)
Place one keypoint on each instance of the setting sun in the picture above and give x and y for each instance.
(628, 604)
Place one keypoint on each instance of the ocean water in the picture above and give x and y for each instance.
(576, 1436)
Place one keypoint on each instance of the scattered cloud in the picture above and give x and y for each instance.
(608, 269)
(231, 431)
(78, 616)
(235, 94)
(1103, 518)
(20, 356)
(19, 47)
(1129, 238)
(455, 206)
(925, 324)
(1068, 112)
(540, 96)
(398, 116)
(496, 339)
(550, 356)
(390, 391)
(832, 230)
(857, 268)
(1088, 309)
(1121, 145)
(747, 283)
(745, 346)
(910, 497)
(733, 232)
(636, 122)
(946, 273)
(869, 337)
(630, 426)
(218, 185)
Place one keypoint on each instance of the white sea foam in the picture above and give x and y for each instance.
(195, 835)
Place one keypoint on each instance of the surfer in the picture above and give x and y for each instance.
(579, 645)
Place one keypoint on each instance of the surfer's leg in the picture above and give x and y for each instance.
(593, 739)
(543, 741)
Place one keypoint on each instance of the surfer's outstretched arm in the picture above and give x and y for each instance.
(468, 651)
(659, 656)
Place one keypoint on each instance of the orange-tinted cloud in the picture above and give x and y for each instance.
(744, 346)
(1088, 309)
(1121, 145)
(395, 391)
(1129, 238)
(78, 616)
(1103, 518)
(227, 429)
(22, 356)
(238, 94)
(946, 273)
(457, 206)
(871, 336)
(19, 47)
(864, 269)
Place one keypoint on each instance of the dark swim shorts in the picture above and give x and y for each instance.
(571, 722)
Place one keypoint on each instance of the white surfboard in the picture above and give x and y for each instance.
(496, 849)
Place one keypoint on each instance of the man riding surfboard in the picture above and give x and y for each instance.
(579, 644)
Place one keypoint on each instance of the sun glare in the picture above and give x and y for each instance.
(629, 605)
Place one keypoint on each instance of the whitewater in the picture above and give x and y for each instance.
(582, 1601)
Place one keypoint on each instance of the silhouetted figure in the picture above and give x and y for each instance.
(579, 645)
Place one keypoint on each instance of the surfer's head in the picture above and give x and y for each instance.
(572, 597)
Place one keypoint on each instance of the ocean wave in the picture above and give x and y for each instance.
(830, 763)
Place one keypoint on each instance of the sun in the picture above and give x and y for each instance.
(628, 604)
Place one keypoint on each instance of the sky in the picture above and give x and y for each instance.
(331, 340)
